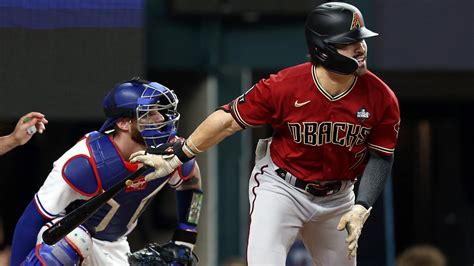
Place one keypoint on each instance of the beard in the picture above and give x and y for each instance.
(137, 136)
(361, 70)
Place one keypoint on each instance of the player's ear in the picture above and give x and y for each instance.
(123, 124)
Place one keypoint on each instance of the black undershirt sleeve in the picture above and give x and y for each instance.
(373, 180)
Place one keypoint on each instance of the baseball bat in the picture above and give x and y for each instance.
(72, 220)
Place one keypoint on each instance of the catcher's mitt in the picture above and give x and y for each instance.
(165, 255)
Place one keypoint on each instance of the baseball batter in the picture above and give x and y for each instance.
(335, 123)
(141, 114)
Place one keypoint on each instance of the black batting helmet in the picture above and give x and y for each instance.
(334, 23)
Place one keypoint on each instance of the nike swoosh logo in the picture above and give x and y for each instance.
(297, 104)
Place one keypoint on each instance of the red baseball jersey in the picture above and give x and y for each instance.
(318, 136)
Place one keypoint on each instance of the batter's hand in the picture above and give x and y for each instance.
(163, 164)
(353, 221)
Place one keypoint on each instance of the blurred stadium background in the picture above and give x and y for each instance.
(60, 58)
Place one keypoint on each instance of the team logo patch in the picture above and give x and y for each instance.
(362, 114)
(356, 21)
(241, 98)
(137, 184)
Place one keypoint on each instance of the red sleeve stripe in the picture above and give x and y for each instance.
(381, 149)
(238, 117)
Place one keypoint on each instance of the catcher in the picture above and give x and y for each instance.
(140, 114)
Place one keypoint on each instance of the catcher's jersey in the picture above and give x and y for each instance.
(92, 165)
(318, 136)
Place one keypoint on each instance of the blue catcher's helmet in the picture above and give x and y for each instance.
(121, 102)
(155, 99)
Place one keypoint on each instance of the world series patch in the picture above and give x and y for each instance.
(362, 114)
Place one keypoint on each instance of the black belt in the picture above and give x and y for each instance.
(315, 188)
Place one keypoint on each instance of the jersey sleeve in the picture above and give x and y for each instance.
(26, 231)
(56, 193)
(384, 134)
(255, 107)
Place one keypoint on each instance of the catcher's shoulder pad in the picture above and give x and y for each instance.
(79, 173)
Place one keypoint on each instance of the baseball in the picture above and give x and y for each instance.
(31, 130)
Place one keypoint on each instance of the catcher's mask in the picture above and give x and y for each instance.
(334, 23)
(157, 115)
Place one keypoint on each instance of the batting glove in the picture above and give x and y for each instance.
(163, 164)
(353, 221)
(165, 159)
